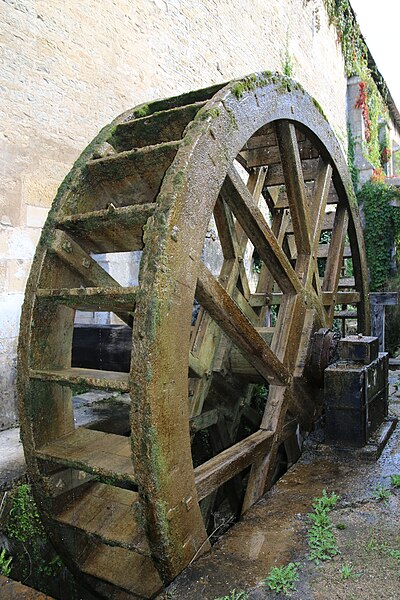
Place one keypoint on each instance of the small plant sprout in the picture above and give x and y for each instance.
(321, 539)
(5, 563)
(382, 494)
(341, 526)
(234, 595)
(347, 572)
(395, 481)
(282, 579)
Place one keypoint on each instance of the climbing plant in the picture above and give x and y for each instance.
(382, 228)
(355, 53)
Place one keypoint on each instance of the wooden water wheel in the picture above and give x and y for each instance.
(255, 162)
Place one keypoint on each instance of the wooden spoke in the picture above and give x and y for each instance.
(335, 256)
(226, 230)
(294, 181)
(232, 321)
(258, 231)
(319, 200)
(230, 462)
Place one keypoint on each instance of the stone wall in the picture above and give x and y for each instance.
(68, 67)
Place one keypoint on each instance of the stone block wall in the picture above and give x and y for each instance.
(68, 67)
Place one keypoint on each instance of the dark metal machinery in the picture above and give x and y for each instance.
(356, 392)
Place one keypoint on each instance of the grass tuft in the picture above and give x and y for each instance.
(282, 579)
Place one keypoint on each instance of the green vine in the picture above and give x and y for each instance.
(355, 54)
(382, 229)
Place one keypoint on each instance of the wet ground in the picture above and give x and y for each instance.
(274, 532)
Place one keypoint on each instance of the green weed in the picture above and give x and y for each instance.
(5, 563)
(347, 572)
(321, 539)
(234, 595)
(282, 579)
(395, 481)
(25, 526)
(382, 494)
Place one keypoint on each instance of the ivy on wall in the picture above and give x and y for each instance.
(355, 53)
(382, 229)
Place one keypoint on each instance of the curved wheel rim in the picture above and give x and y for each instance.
(215, 142)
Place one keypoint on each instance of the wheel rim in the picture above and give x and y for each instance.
(171, 274)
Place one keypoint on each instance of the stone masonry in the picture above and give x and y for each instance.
(68, 67)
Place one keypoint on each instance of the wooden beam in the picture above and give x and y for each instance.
(203, 420)
(196, 367)
(238, 328)
(341, 298)
(219, 469)
(295, 188)
(92, 298)
(335, 258)
(251, 219)
(70, 253)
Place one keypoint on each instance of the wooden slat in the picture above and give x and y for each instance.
(161, 126)
(335, 258)
(327, 224)
(340, 298)
(275, 173)
(226, 230)
(324, 249)
(242, 204)
(81, 262)
(260, 154)
(92, 298)
(132, 177)
(295, 188)
(345, 314)
(346, 282)
(241, 367)
(245, 307)
(106, 512)
(103, 454)
(102, 380)
(109, 230)
(282, 201)
(124, 569)
(204, 420)
(196, 367)
(236, 326)
(219, 469)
